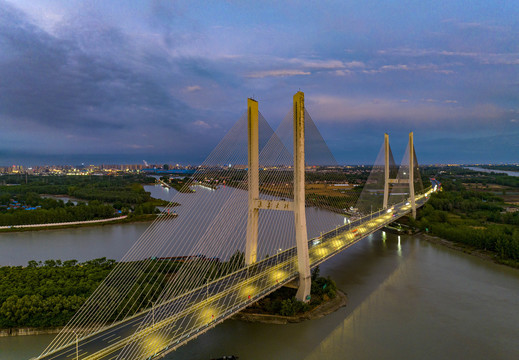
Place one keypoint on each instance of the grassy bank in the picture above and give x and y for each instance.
(127, 220)
(474, 220)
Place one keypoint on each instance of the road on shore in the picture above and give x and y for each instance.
(64, 223)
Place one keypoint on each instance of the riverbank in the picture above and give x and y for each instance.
(324, 309)
(77, 224)
(467, 249)
(29, 331)
(70, 223)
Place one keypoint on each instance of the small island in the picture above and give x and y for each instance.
(281, 306)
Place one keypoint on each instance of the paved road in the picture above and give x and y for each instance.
(65, 223)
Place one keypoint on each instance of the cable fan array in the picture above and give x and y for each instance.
(372, 195)
(186, 270)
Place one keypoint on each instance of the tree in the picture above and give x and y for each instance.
(315, 273)
(237, 260)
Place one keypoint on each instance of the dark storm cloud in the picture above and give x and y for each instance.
(55, 82)
(143, 79)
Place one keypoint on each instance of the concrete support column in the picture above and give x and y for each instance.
(386, 170)
(251, 245)
(303, 260)
(411, 174)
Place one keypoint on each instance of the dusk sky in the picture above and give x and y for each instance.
(163, 81)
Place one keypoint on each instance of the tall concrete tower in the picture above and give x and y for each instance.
(297, 206)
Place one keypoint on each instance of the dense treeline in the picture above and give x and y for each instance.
(47, 294)
(128, 194)
(502, 167)
(471, 176)
(60, 213)
(334, 203)
(493, 178)
(474, 218)
(358, 174)
(124, 188)
(107, 195)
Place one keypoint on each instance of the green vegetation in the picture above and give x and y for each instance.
(492, 178)
(108, 196)
(283, 301)
(47, 294)
(54, 211)
(476, 218)
(103, 188)
(502, 167)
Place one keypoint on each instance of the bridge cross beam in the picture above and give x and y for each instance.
(297, 206)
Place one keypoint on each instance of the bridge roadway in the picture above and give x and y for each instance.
(187, 316)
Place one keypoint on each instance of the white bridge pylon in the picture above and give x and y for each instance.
(410, 180)
(297, 206)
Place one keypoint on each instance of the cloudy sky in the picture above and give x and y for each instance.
(122, 81)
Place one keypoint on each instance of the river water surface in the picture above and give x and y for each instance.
(408, 299)
(509, 173)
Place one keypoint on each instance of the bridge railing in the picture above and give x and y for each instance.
(359, 221)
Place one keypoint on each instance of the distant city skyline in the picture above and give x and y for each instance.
(126, 81)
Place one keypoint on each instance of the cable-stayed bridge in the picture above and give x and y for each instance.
(233, 241)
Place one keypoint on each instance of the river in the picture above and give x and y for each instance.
(408, 298)
(509, 173)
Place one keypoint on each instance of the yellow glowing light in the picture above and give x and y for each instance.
(277, 276)
(338, 243)
(152, 344)
(207, 315)
(321, 252)
(248, 290)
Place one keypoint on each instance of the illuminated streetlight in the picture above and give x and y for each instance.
(77, 345)
(152, 313)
